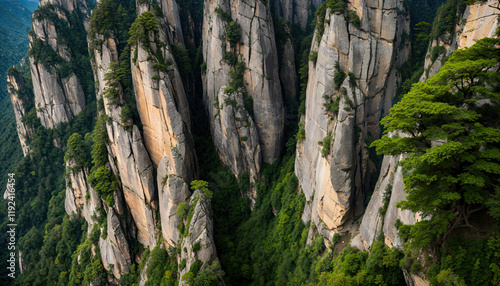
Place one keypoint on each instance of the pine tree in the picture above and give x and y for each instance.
(451, 143)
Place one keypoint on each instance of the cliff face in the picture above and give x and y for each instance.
(296, 11)
(352, 79)
(59, 95)
(249, 53)
(15, 84)
(164, 112)
(478, 21)
(83, 200)
(128, 156)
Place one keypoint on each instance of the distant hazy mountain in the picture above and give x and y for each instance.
(15, 22)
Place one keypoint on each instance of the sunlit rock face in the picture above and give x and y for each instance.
(332, 162)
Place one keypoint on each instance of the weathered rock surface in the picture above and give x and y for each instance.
(478, 21)
(164, 112)
(389, 186)
(335, 183)
(57, 99)
(115, 253)
(200, 232)
(257, 50)
(15, 83)
(81, 198)
(127, 153)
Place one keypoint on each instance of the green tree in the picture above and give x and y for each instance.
(453, 143)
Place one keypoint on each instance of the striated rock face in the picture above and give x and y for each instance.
(81, 198)
(15, 84)
(335, 175)
(200, 232)
(390, 187)
(58, 98)
(114, 248)
(257, 50)
(478, 21)
(127, 154)
(164, 112)
(170, 10)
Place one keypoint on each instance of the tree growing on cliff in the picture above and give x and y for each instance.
(453, 144)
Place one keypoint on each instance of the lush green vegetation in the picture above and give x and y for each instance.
(15, 21)
(450, 183)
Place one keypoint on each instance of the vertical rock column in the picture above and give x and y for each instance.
(256, 49)
(164, 112)
(15, 85)
(58, 97)
(352, 80)
(128, 156)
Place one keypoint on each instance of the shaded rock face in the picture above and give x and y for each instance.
(14, 85)
(288, 74)
(261, 80)
(335, 177)
(114, 248)
(57, 99)
(478, 21)
(170, 10)
(200, 232)
(296, 11)
(164, 112)
(128, 156)
(81, 198)
(389, 185)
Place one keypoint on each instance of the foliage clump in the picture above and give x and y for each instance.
(449, 181)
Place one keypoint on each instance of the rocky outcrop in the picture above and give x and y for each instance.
(82, 199)
(478, 21)
(15, 86)
(114, 247)
(128, 156)
(352, 80)
(200, 233)
(256, 49)
(164, 112)
(390, 187)
(59, 97)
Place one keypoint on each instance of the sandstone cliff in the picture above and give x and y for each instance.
(239, 51)
(477, 21)
(352, 80)
(59, 96)
(16, 87)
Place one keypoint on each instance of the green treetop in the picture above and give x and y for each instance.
(453, 144)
